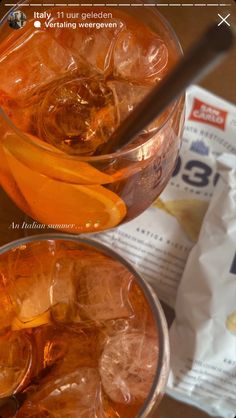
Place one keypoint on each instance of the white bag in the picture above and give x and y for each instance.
(203, 335)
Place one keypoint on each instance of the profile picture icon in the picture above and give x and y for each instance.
(17, 20)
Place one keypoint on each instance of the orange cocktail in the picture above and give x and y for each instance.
(63, 92)
(81, 334)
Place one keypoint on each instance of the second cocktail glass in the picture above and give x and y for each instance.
(81, 333)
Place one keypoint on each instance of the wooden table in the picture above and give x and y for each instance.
(188, 22)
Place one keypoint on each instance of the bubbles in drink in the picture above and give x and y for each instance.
(116, 326)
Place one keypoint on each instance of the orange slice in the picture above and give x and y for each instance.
(8, 183)
(52, 162)
(66, 206)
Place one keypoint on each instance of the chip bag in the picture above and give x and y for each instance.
(203, 335)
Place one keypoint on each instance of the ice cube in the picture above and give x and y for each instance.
(102, 290)
(69, 396)
(62, 290)
(31, 293)
(6, 307)
(127, 367)
(15, 362)
(51, 347)
(68, 348)
(33, 59)
(141, 322)
(83, 349)
(127, 96)
(78, 114)
(38, 279)
(21, 112)
(140, 56)
(93, 45)
(115, 326)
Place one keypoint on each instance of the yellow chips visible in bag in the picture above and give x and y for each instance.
(188, 212)
(231, 322)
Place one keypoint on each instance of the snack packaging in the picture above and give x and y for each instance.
(203, 335)
(158, 241)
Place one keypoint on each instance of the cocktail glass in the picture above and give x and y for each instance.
(63, 92)
(82, 334)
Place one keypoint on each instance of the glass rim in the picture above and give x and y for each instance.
(158, 384)
(122, 152)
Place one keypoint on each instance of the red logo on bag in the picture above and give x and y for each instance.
(203, 112)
